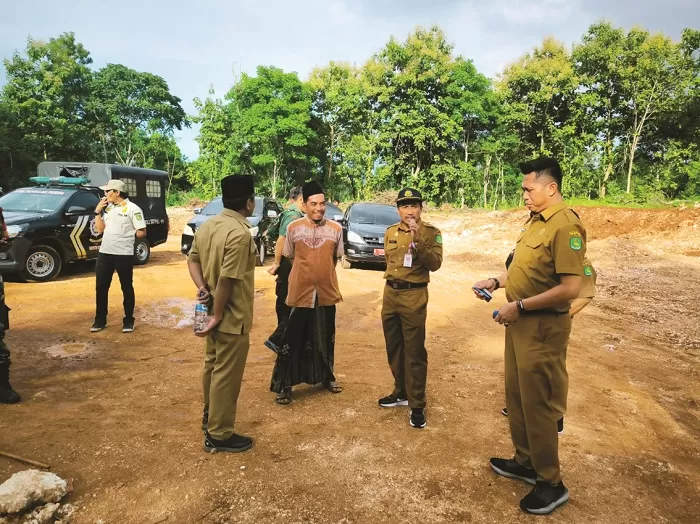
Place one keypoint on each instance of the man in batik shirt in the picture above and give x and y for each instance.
(314, 245)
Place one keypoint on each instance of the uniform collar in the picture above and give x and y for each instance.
(235, 214)
(551, 211)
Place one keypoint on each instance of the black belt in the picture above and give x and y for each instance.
(402, 284)
(536, 312)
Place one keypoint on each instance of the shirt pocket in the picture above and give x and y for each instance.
(534, 249)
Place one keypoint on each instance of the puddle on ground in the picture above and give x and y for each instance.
(174, 312)
(70, 349)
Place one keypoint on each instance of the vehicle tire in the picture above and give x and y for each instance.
(345, 263)
(260, 259)
(142, 252)
(42, 265)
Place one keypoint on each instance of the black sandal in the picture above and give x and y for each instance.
(284, 397)
(333, 387)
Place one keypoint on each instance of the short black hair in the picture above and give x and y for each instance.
(295, 193)
(236, 204)
(123, 194)
(543, 166)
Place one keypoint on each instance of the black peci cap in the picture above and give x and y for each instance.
(237, 186)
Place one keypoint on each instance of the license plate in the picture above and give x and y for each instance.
(378, 252)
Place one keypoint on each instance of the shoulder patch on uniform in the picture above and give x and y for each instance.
(438, 239)
(138, 216)
(587, 271)
(575, 243)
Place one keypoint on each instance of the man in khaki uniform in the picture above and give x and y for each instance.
(542, 280)
(222, 266)
(584, 298)
(413, 249)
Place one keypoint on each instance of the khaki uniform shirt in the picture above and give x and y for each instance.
(224, 247)
(426, 252)
(589, 280)
(121, 222)
(314, 249)
(552, 244)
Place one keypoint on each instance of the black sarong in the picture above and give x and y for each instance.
(308, 349)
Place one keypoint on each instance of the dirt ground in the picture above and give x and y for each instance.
(119, 414)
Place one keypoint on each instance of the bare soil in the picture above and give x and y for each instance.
(119, 414)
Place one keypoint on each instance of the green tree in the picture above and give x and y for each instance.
(46, 91)
(124, 104)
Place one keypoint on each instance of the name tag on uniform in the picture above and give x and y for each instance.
(407, 260)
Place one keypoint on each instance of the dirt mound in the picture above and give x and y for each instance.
(604, 222)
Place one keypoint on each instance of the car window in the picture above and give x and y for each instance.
(382, 216)
(333, 211)
(258, 211)
(35, 200)
(214, 207)
(84, 199)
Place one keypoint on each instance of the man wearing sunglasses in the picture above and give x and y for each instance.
(120, 222)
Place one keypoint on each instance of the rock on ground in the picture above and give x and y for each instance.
(26, 489)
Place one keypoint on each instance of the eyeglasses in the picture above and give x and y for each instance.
(109, 191)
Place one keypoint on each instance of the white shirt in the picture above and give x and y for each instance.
(121, 222)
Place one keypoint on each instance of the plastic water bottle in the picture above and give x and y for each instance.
(201, 312)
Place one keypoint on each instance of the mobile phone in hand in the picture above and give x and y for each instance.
(483, 293)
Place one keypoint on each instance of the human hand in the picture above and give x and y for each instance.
(203, 295)
(212, 323)
(507, 314)
(273, 269)
(489, 285)
(101, 205)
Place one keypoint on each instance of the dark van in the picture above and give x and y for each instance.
(53, 222)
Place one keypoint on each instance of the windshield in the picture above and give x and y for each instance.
(213, 208)
(217, 205)
(381, 216)
(35, 200)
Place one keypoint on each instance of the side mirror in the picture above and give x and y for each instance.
(338, 218)
(271, 213)
(197, 210)
(76, 210)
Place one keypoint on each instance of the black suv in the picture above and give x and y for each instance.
(54, 223)
(364, 226)
(266, 210)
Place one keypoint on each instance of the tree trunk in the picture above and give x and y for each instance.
(330, 158)
(487, 169)
(633, 150)
(467, 134)
(274, 179)
(606, 177)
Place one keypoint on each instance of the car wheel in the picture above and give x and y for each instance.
(43, 264)
(345, 263)
(260, 259)
(142, 252)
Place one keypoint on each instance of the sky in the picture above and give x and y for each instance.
(200, 45)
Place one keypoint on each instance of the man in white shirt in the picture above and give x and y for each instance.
(121, 222)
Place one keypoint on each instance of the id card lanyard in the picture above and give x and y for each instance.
(408, 257)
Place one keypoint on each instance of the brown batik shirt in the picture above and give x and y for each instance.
(314, 249)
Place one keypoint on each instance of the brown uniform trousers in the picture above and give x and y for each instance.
(405, 309)
(552, 245)
(224, 248)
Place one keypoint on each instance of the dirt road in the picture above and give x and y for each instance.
(120, 414)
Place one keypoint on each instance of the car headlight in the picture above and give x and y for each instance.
(188, 230)
(254, 231)
(354, 237)
(17, 230)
